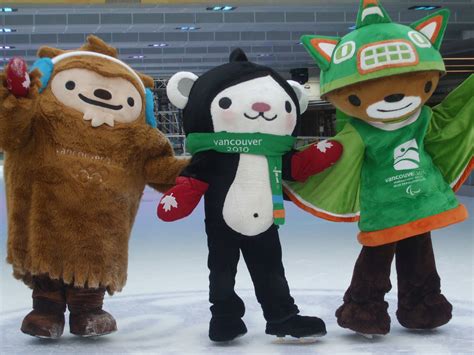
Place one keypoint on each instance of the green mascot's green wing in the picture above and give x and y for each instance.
(450, 136)
(334, 193)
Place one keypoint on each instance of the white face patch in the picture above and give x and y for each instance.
(258, 105)
(102, 100)
(391, 110)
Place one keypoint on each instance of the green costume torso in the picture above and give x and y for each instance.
(399, 182)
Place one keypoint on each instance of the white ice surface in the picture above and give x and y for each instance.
(164, 307)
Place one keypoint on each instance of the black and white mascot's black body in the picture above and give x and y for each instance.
(238, 117)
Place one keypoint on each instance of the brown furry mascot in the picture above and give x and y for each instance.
(80, 148)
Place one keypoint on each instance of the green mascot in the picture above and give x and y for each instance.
(401, 164)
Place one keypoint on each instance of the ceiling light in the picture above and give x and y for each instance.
(158, 45)
(7, 9)
(424, 7)
(137, 56)
(7, 47)
(4, 59)
(188, 28)
(353, 27)
(263, 55)
(6, 30)
(221, 8)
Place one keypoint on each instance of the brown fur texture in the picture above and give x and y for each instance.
(375, 90)
(73, 190)
(420, 302)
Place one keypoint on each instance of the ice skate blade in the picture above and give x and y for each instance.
(368, 336)
(53, 336)
(225, 342)
(288, 339)
(93, 335)
(42, 337)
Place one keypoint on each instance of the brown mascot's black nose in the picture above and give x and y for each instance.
(102, 94)
(394, 97)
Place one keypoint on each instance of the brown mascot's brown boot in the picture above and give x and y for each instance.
(364, 309)
(87, 318)
(46, 320)
(420, 302)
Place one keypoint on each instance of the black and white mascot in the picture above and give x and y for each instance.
(240, 120)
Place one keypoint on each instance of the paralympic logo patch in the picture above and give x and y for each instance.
(406, 156)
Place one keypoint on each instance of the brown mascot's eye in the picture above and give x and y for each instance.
(354, 100)
(70, 85)
(130, 101)
(428, 86)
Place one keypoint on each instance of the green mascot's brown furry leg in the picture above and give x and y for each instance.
(364, 309)
(420, 302)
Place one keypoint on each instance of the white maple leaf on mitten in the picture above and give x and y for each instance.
(169, 202)
(323, 146)
(26, 83)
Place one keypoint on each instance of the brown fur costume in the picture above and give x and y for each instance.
(73, 190)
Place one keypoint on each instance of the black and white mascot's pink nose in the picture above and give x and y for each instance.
(240, 121)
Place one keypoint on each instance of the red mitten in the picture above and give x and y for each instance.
(18, 80)
(181, 200)
(315, 159)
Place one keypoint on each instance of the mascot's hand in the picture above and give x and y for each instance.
(315, 159)
(14, 101)
(17, 78)
(182, 199)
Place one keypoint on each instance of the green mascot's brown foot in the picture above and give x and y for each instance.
(46, 320)
(87, 318)
(365, 310)
(431, 312)
(369, 318)
(420, 302)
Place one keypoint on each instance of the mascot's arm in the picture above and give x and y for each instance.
(334, 193)
(181, 200)
(161, 170)
(450, 136)
(299, 166)
(16, 114)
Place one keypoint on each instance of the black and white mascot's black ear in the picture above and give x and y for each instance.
(234, 96)
(240, 120)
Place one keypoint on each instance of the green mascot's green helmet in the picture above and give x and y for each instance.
(378, 48)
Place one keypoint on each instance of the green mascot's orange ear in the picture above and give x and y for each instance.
(321, 48)
(433, 26)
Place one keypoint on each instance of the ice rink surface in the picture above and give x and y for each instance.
(164, 308)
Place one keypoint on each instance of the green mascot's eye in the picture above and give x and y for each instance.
(354, 100)
(428, 86)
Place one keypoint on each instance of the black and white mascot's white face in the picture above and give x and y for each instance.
(238, 97)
